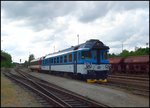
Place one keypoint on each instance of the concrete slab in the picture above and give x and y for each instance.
(106, 95)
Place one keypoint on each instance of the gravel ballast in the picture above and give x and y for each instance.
(106, 95)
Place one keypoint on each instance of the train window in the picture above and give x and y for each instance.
(57, 59)
(86, 55)
(94, 55)
(47, 61)
(65, 58)
(79, 55)
(104, 55)
(70, 57)
(61, 59)
(51, 60)
(54, 60)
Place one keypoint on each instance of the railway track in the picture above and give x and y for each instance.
(130, 77)
(55, 96)
(138, 85)
(135, 84)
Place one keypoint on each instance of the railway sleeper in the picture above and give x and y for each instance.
(77, 104)
(67, 100)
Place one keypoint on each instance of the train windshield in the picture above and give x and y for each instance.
(86, 55)
(104, 55)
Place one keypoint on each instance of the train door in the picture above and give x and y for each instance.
(98, 56)
(75, 62)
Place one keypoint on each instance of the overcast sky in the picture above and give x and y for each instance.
(35, 27)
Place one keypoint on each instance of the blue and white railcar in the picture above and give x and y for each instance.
(88, 60)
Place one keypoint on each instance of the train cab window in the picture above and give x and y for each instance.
(70, 57)
(54, 60)
(86, 55)
(65, 58)
(61, 58)
(94, 54)
(57, 59)
(104, 55)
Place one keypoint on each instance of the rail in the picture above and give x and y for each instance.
(53, 94)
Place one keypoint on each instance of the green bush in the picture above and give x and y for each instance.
(7, 61)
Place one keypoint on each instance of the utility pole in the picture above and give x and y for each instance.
(78, 38)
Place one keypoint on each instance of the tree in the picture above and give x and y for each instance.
(31, 57)
(126, 53)
(6, 59)
(25, 63)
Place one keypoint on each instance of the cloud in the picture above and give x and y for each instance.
(37, 27)
(97, 9)
(37, 14)
(40, 15)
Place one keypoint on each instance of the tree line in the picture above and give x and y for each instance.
(6, 59)
(126, 53)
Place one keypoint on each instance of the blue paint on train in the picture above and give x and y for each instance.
(88, 53)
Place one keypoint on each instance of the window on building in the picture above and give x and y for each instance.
(70, 57)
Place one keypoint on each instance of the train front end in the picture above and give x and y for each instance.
(96, 63)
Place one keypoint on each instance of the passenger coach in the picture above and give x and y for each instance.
(88, 61)
(35, 65)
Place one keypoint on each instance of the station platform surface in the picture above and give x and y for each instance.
(106, 95)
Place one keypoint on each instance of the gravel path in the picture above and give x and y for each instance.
(13, 95)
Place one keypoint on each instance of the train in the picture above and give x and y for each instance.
(132, 65)
(88, 61)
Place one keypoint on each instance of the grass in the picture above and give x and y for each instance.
(13, 96)
(8, 92)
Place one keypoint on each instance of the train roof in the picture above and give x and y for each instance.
(116, 60)
(137, 59)
(90, 44)
(35, 60)
(130, 59)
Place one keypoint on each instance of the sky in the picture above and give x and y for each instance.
(42, 27)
